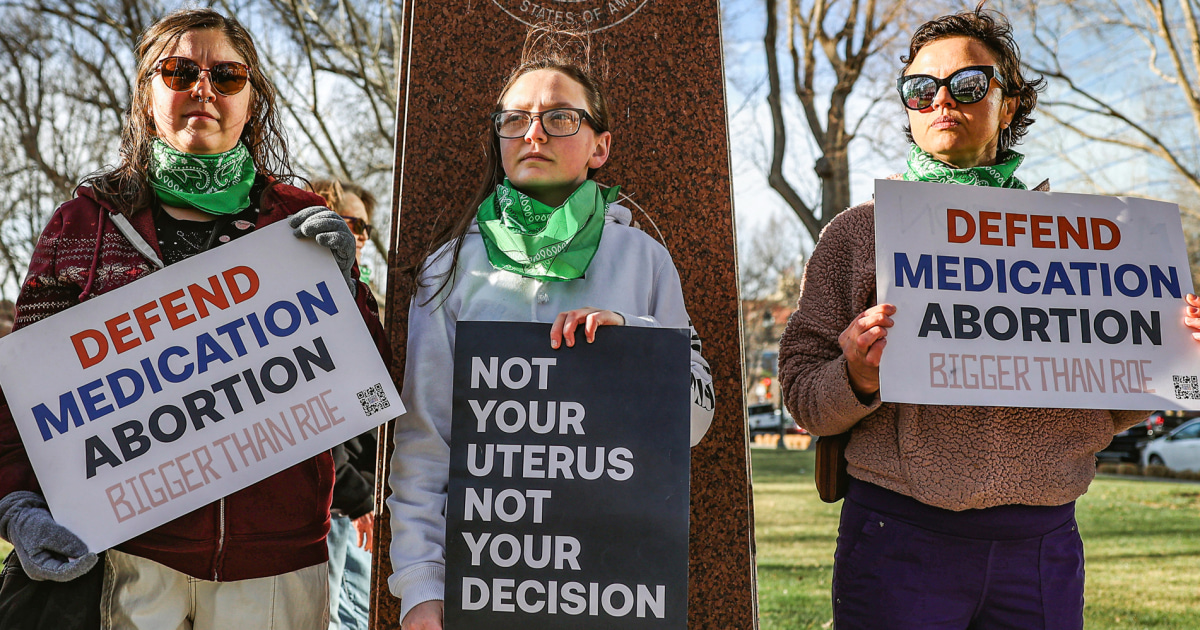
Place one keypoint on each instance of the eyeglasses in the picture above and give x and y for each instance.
(967, 85)
(560, 122)
(357, 225)
(181, 74)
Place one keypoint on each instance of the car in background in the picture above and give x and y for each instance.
(1127, 445)
(1166, 421)
(1178, 450)
(765, 418)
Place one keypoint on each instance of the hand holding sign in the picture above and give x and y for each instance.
(328, 230)
(592, 318)
(1192, 320)
(47, 550)
(424, 616)
(862, 344)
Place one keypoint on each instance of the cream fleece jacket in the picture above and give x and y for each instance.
(631, 274)
(952, 457)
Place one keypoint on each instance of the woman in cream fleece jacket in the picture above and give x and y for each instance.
(550, 134)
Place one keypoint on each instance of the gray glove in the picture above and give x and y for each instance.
(47, 550)
(330, 231)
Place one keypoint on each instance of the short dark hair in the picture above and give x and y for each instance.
(993, 30)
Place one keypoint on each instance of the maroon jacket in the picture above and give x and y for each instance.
(275, 526)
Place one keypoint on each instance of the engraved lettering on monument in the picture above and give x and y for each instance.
(586, 15)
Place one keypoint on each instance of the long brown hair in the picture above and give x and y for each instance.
(547, 47)
(126, 186)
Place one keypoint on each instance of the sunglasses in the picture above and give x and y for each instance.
(181, 74)
(357, 225)
(967, 85)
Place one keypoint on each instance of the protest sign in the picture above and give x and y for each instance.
(569, 488)
(1030, 299)
(145, 403)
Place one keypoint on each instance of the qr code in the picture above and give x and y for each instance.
(1187, 387)
(373, 399)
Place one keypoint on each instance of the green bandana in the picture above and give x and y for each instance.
(923, 167)
(528, 237)
(216, 184)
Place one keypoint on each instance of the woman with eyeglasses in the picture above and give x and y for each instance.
(203, 162)
(542, 241)
(956, 516)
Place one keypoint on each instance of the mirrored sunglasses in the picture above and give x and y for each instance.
(967, 85)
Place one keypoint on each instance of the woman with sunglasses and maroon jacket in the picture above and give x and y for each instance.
(955, 516)
(200, 105)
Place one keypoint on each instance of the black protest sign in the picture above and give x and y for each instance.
(569, 489)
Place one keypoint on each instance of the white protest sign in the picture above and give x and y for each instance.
(1029, 299)
(147, 402)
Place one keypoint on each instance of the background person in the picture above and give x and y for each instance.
(201, 104)
(356, 205)
(956, 516)
(352, 512)
(549, 134)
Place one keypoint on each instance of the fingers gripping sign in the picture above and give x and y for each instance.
(1191, 318)
(862, 344)
(328, 230)
(591, 318)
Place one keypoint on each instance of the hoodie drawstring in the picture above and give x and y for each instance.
(87, 288)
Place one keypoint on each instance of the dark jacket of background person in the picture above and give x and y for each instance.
(354, 465)
(275, 526)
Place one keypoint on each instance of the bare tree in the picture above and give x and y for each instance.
(335, 64)
(64, 69)
(1097, 109)
(844, 41)
(771, 260)
(766, 253)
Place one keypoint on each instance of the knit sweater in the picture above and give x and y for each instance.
(631, 274)
(952, 457)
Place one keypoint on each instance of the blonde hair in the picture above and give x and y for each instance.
(334, 192)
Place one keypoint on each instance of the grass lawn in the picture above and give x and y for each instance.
(1142, 540)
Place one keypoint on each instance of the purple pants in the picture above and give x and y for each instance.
(901, 564)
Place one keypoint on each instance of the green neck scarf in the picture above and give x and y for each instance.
(217, 184)
(923, 167)
(528, 237)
